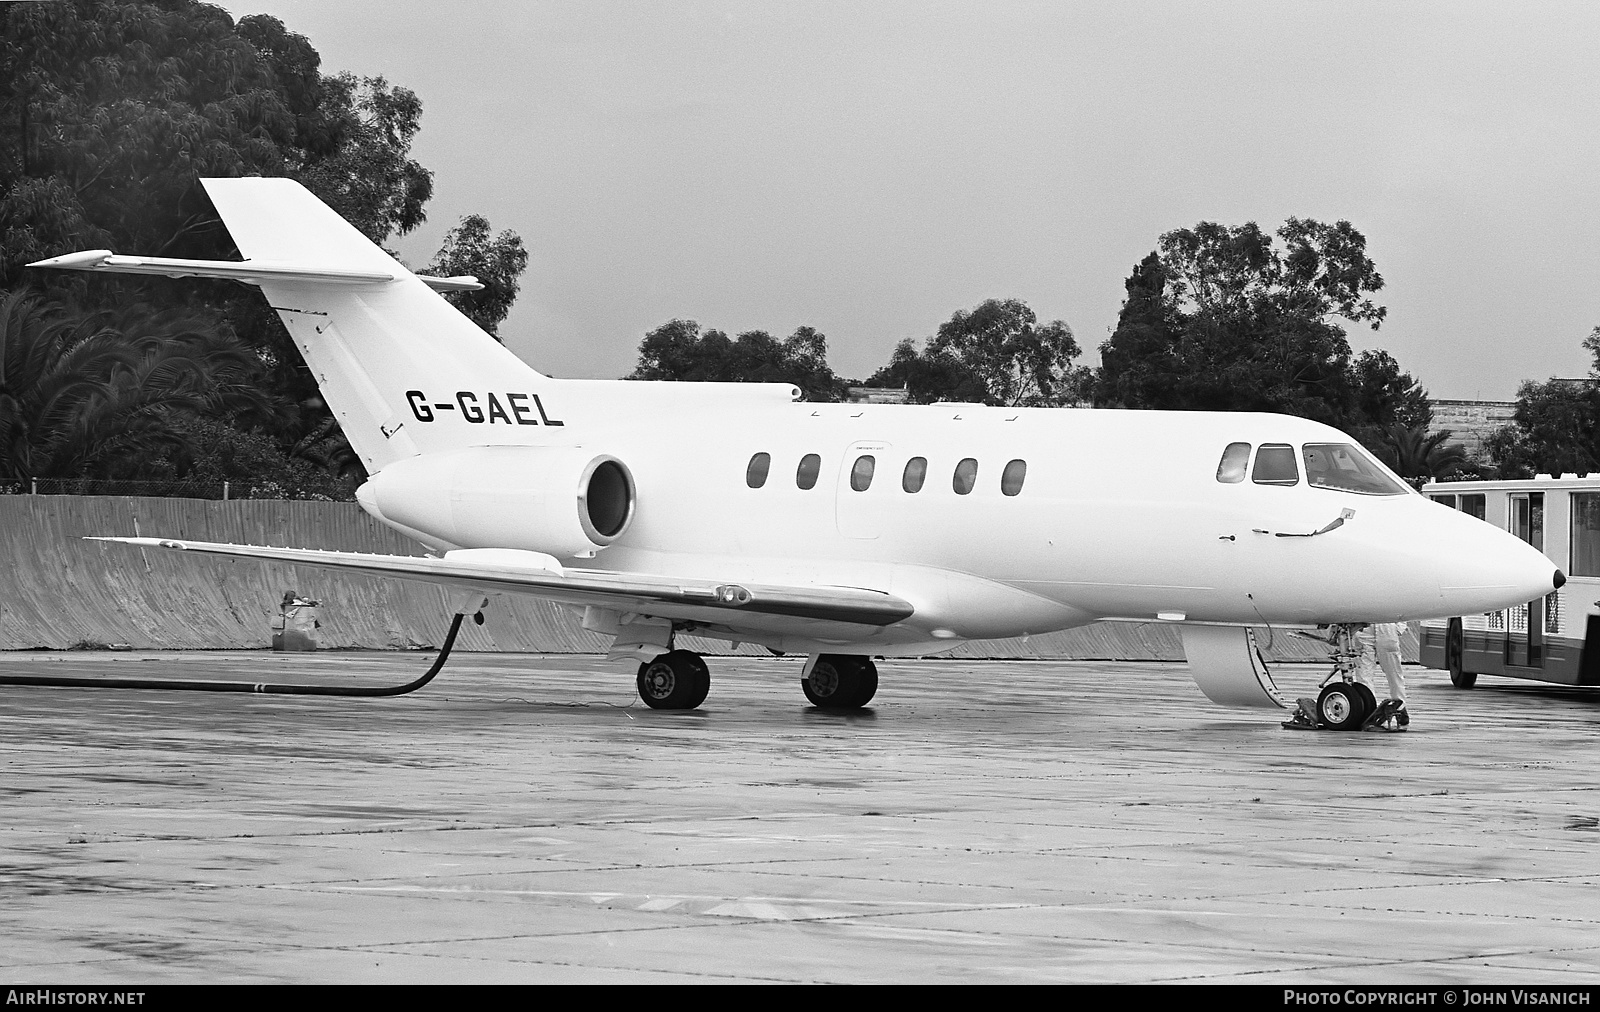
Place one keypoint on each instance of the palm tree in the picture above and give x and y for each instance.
(95, 394)
(1417, 456)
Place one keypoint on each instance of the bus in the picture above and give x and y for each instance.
(1555, 638)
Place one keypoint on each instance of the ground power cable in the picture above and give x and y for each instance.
(263, 688)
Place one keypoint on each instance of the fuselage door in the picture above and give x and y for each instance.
(863, 492)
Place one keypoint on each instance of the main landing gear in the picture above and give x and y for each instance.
(679, 680)
(675, 680)
(841, 682)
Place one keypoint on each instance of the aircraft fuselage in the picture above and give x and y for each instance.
(1109, 514)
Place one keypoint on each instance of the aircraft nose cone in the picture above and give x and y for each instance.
(1560, 579)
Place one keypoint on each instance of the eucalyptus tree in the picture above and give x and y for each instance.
(995, 353)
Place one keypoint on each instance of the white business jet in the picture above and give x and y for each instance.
(836, 531)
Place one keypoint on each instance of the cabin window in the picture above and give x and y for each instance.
(1345, 467)
(1471, 503)
(806, 474)
(861, 472)
(966, 476)
(1012, 478)
(1235, 461)
(916, 473)
(756, 474)
(1585, 534)
(1275, 465)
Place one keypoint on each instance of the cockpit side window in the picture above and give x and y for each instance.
(1347, 468)
(1275, 465)
(1234, 461)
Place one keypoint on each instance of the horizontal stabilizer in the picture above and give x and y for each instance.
(252, 272)
(504, 571)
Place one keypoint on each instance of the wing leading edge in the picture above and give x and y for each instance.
(498, 571)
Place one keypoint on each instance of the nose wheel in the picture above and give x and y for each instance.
(676, 680)
(1344, 706)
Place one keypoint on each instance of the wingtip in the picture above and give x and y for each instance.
(142, 542)
(83, 260)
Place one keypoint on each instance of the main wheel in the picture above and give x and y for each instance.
(1455, 655)
(841, 682)
(1341, 706)
(677, 680)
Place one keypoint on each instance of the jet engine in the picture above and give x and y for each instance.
(560, 500)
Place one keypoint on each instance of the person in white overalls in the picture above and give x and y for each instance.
(1380, 648)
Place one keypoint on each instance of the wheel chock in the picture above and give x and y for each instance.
(1389, 716)
(1304, 717)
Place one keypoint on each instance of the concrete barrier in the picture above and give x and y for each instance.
(58, 591)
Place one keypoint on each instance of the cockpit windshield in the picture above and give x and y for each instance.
(1347, 468)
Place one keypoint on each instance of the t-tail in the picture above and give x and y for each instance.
(403, 370)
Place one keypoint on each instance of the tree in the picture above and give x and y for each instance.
(102, 394)
(1554, 430)
(1384, 400)
(110, 113)
(212, 452)
(496, 261)
(995, 353)
(1418, 456)
(678, 351)
(368, 176)
(1221, 318)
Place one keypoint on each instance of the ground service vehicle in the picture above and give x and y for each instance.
(1553, 638)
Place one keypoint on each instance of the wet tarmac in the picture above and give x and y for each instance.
(524, 818)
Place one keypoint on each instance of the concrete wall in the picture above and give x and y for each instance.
(58, 591)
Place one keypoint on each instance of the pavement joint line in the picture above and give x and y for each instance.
(600, 897)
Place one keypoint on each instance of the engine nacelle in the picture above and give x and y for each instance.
(559, 500)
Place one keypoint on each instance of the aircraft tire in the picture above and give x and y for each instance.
(676, 680)
(1341, 707)
(1369, 702)
(1455, 656)
(841, 682)
(702, 678)
(869, 682)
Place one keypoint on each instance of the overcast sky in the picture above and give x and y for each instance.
(869, 168)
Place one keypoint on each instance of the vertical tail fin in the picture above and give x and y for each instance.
(401, 368)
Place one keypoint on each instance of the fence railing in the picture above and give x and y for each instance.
(222, 490)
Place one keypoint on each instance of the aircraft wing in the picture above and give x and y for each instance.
(508, 571)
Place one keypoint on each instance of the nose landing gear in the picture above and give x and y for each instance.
(1346, 704)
